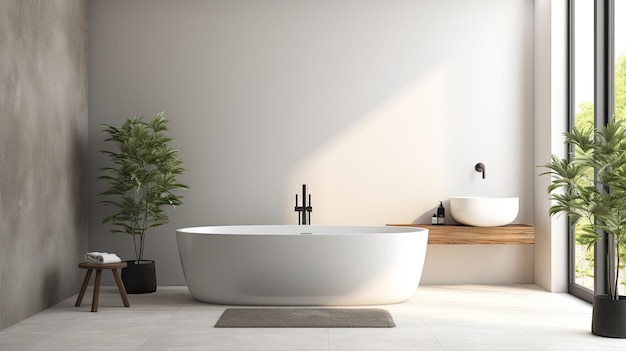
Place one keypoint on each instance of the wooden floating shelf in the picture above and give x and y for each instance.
(512, 234)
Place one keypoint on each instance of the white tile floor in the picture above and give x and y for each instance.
(468, 317)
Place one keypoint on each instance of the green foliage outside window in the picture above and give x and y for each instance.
(584, 120)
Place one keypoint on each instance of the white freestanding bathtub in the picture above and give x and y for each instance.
(302, 265)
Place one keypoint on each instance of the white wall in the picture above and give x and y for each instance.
(382, 107)
(550, 123)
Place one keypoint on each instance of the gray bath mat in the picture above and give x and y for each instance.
(305, 318)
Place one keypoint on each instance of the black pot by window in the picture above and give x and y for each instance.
(609, 316)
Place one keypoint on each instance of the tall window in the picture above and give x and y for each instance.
(619, 82)
(582, 104)
(597, 91)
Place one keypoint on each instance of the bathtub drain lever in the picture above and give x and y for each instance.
(302, 210)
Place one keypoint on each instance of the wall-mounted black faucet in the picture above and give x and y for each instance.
(480, 167)
(304, 209)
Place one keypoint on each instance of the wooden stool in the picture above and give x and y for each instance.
(96, 287)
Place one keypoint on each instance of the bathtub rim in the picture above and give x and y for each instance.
(327, 228)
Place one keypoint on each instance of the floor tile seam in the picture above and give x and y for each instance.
(148, 337)
(158, 331)
(177, 311)
(73, 324)
(38, 345)
(433, 333)
(237, 339)
(328, 339)
(176, 317)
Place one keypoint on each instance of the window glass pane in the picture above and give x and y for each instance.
(620, 87)
(620, 59)
(584, 116)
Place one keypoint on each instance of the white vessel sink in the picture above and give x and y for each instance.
(484, 211)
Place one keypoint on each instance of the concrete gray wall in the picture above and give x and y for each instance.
(383, 107)
(43, 135)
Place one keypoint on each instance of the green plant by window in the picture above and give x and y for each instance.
(595, 204)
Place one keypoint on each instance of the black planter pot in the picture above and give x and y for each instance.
(139, 277)
(609, 316)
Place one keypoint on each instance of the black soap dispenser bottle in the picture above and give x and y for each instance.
(441, 214)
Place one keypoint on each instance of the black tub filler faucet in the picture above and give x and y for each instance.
(305, 210)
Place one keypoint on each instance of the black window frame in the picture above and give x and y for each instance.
(604, 108)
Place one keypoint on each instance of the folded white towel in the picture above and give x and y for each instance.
(102, 257)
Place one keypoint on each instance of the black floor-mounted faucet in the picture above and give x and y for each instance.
(304, 209)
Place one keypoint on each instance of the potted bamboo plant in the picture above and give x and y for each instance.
(597, 205)
(140, 184)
